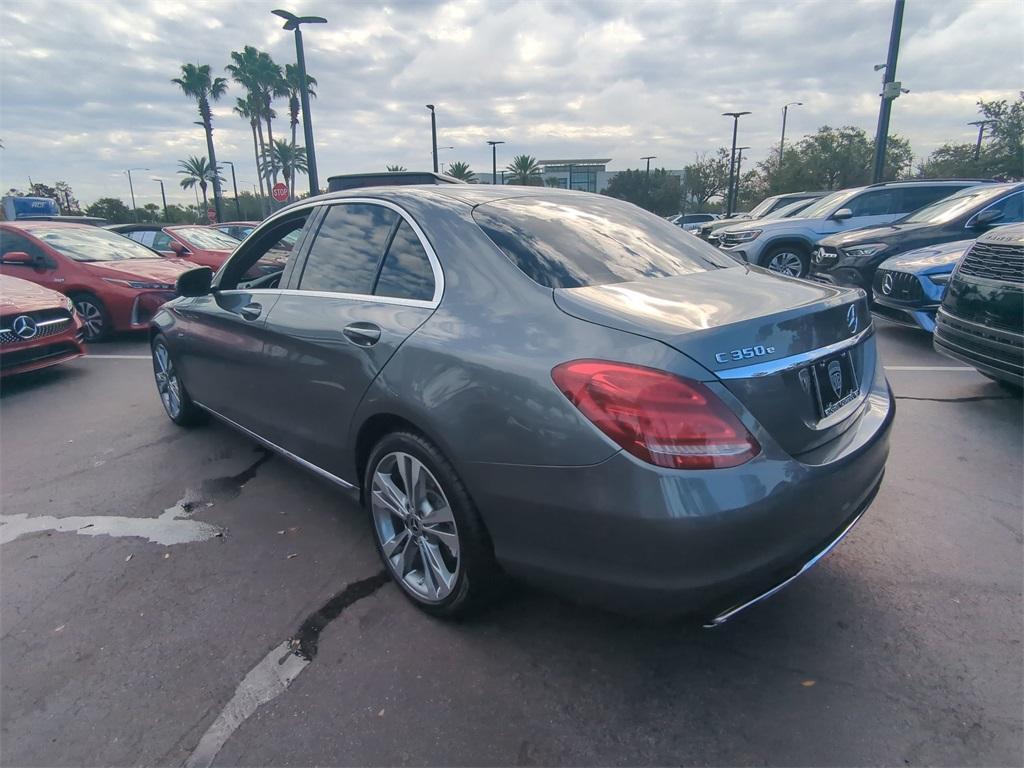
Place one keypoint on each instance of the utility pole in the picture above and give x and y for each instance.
(981, 133)
(163, 197)
(732, 159)
(494, 162)
(234, 184)
(131, 189)
(293, 22)
(782, 139)
(890, 91)
(433, 134)
(739, 164)
(648, 158)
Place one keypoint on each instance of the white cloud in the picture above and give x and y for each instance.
(85, 86)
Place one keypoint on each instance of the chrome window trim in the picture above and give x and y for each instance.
(369, 298)
(278, 449)
(772, 367)
(435, 263)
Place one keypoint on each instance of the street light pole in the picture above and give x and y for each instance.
(782, 140)
(293, 22)
(234, 184)
(163, 197)
(981, 133)
(732, 159)
(433, 134)
(648, 158)
(890, 90)
(739, 164)
(131, 188)
(494, 162)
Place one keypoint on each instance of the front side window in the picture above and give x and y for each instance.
(206, 239)
(161, 241)
(91, 244)
(9, 241)
(954, 206)
(561, 244)
(347, 250)
(260, 262)
(1012, 208)
(406, 272)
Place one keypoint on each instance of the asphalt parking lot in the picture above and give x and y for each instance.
(153, 581)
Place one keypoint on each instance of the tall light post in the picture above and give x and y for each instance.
(739, 164)
(131, 188)
(494, 162)
(732, 158)
(890, 91)
(293, 22)
(782, 139)
(648, 158)
(163, 196)
(981, 133)
(234, 184)
(433, 134)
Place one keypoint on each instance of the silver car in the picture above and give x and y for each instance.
(552, 385)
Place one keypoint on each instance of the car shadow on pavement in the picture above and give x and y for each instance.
(26, 382)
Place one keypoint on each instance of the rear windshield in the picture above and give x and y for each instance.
(569, 244)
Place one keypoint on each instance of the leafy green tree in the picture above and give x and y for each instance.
(197, 171)
(263, 79)
(461, 171)
(293, 84)
(705, 179)
(1005, 146)
(110, 208)
(951, 161)
(176, 214)
(524, 170)
(396, 168)
(196, 83)
(658, 192)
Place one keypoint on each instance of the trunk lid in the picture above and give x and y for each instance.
(759, 333)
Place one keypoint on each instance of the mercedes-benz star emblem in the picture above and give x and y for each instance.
(24, 327)
(851, 318)
(835, 376)
(887, 285)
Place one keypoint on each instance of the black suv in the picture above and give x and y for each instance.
(852, 257)
(981, 320)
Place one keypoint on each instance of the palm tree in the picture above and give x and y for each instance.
(255, 71)
(286, 158)
(396, 168)
(460, 170)
(197, 170)
(524, 170)
(196, 83)
(293, 83)
(248, 109)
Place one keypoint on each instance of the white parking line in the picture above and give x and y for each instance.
(946, 368)
(117, 357)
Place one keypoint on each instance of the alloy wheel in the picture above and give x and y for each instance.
(92, 318)
(167, 383)
(415, 527)
(786, 263)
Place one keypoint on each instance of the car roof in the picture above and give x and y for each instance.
(470, 194)
(41, 224)
(134, 227)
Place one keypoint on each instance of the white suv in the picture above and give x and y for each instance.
(785, 245)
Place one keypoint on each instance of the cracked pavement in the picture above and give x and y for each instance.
(903, 647)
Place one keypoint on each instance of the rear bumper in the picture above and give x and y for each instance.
(639, 539)
(993, 351)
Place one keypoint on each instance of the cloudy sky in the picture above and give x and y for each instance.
(85, 87)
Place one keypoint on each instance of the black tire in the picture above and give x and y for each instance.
(779, 253)
(95, 318)
(186, 413)
(479, 580)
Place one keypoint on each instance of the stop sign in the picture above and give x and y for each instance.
(211, 214)
(280, 192)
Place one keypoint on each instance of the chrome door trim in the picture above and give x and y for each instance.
(278, 449)
(369, 298)
(792, 362)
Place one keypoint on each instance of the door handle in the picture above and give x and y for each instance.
(362, 334)
(251, 311)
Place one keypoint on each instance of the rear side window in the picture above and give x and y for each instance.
(919, 197)
(568, 244)
(347, 249)
(879, 202)
(406, 272)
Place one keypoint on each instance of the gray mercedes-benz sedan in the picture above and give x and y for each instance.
(553, 385)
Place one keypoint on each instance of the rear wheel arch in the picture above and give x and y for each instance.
(377, 426)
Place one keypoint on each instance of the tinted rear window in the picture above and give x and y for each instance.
(562, 243)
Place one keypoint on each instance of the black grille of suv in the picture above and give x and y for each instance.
(996, 262)
(902, 286)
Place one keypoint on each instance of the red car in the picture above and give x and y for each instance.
(116, 284)
(38, 327)
(201, 245)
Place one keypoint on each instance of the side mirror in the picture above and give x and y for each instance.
(179, 249)
(842, 214)
(195, 282)
(19, 257)
(985, 218)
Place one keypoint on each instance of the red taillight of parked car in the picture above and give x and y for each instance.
(660, 418)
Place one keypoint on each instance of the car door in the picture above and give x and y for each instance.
(368, 280)
(218, 339)
(46, 270)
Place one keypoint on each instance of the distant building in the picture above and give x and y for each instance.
(587, 174)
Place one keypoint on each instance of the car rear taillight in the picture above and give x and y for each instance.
(660, 418)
